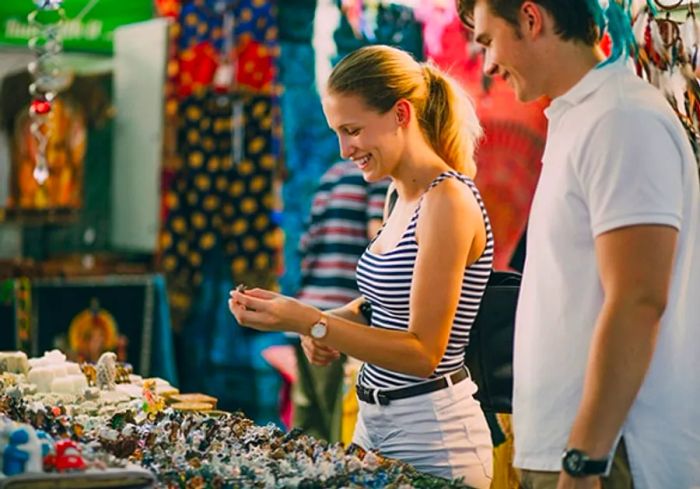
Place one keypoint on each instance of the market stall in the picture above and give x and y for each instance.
(84, 425)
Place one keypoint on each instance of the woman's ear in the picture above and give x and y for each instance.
(403, 110)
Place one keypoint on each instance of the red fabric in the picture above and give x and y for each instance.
(197, 66)
(255, 65)
(168, 8)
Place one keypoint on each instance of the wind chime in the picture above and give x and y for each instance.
(48, 78)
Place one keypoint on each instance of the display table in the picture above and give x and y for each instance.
(132, 478)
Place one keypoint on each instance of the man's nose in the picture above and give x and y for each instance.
(490, 68)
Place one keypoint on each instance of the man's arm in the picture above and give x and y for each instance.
(635, 266)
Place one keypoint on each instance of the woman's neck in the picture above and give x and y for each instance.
(415, 172)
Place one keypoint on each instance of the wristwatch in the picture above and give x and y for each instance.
(320, 329)
(577, 463)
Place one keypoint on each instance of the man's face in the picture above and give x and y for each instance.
(507, 52)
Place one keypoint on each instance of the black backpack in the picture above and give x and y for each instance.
(489, 354)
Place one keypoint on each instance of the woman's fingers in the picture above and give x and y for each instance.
(248, 301)
(261, 294)
(317, 353)
(248, 317)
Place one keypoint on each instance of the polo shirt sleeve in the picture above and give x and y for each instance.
(631, 172)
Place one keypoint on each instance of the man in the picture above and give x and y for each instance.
(608, 323)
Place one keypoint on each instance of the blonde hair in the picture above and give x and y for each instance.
(382, 75)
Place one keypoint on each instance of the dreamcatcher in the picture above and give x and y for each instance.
(667, 57)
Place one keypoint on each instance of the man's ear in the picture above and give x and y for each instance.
(531, 19)
(403, 111)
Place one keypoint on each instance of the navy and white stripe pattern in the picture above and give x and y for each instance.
(385, 281)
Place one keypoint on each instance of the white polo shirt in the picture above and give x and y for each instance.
(616, 156)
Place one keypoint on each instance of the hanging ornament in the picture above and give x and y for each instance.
(48, 4)
(48, 76)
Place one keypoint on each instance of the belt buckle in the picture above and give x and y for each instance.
(381, 398)
(365, 394)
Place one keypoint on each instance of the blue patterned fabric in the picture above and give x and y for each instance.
(310, 148)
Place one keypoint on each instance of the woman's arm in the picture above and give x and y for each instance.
(449, 225)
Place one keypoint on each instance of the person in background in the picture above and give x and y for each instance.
(346, 214)
(423, 275)
(605, 361)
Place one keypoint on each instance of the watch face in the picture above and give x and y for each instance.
(573, 461)
(318, 330)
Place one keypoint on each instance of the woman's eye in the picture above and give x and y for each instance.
(352, 132)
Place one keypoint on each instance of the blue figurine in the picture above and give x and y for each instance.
(14, 458)
(46, 443)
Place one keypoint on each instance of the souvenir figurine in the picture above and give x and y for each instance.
(68, 457)
(107, 371)
(90, 373)
(152, 402)
(14, 457)
(123, 370)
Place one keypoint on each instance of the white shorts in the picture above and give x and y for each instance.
(442, 433)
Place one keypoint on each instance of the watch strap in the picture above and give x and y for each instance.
(578, 464)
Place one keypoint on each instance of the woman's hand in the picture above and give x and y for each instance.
(317, 353)
(268, 311)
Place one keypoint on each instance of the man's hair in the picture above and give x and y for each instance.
(573, 19)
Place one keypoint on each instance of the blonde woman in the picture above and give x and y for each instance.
(423, 275)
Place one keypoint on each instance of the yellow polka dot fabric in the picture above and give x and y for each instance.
(223, 196)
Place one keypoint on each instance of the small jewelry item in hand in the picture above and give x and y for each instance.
(242, 288)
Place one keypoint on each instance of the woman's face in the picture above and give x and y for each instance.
(372, 140)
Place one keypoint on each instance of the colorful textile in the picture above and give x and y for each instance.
(310, 147)
(205, 44)
(217, 200)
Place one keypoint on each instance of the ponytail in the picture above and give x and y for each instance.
(449, 121)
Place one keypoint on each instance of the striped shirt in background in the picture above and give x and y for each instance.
(337, 235)
(385, 280)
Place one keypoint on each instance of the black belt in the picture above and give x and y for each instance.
(384, 397)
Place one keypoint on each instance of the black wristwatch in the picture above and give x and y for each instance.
(577, 463)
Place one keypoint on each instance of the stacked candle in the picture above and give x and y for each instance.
(14, 362)
(52, 373)
(69, 384)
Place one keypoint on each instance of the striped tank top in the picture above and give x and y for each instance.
(385, 281)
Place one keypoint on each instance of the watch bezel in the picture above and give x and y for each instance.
(577, 463)
(322, 324)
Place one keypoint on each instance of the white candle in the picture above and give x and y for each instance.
(73, 368)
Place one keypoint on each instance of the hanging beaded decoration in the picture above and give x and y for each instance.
(48, 78)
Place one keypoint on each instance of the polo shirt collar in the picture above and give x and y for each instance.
(590, 82)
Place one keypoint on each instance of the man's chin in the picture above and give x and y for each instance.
(525, 97)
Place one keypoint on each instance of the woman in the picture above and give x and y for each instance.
(423, 275)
